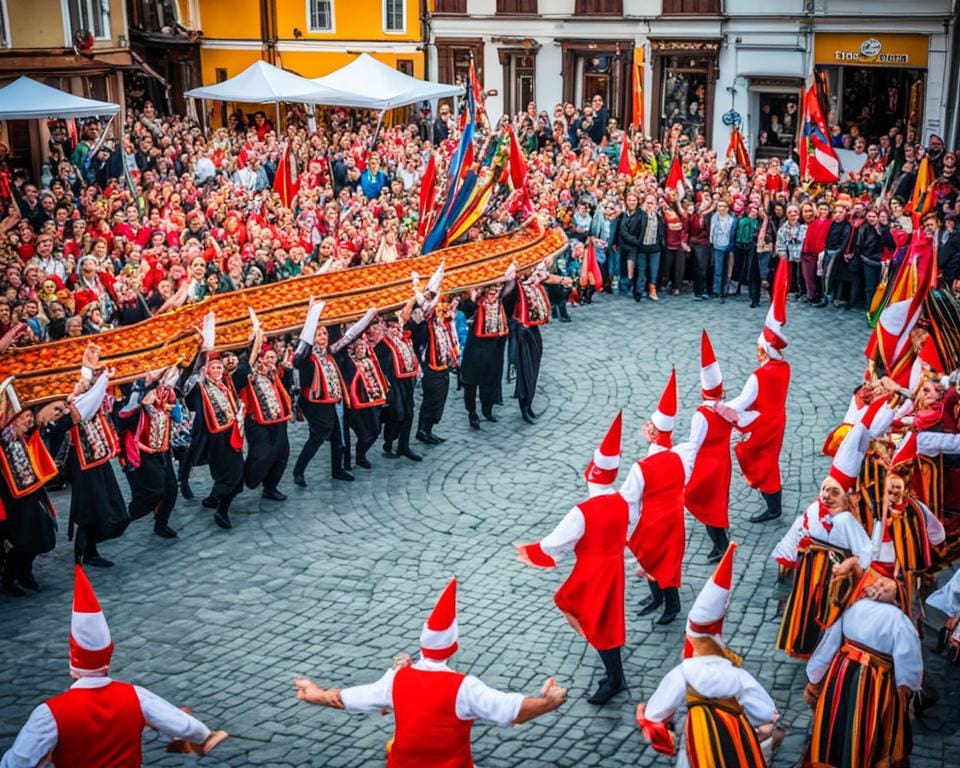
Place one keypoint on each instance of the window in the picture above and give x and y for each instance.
(394, 16)
(4, 25)
(526, 7)
(451, 6)
(519, 78)
(405, 66)
(154, 15)
(320, 15)
(91, 15)
(692, 7)
(599, 7)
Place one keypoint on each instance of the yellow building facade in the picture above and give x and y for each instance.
(308, 37)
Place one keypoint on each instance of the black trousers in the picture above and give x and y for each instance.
(751, 272)
(153, 487)
(435, 387)
(399, 428)
(489, 396)
(701, 263)
(323, 423)
(267, 454)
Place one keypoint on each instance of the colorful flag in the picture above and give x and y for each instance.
(638, 116)
(921, 202)
(738, 150)
(818, 160)
(428, 192)
(477, 96)
(675, 178)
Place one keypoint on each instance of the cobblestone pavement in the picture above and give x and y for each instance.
(339, 578)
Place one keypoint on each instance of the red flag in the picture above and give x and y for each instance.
(675, 178)
(428, 191)
(479, 96)
(590, 272)
(818, 160)
(518, 163)
(626, 161)
(284, 181)
(638, 114)
(738, 149)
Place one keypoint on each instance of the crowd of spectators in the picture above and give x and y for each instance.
(117, 230)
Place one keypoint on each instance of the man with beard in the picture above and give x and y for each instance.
(322, 395)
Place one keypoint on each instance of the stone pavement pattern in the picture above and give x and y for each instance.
(338, 579)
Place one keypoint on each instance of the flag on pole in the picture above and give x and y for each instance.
(625, 166)
(285, 179)
(638, 112)
(675, 178)
(477, 95)
(428, 192)
(818, 160)
(738, 150)
(921, 202)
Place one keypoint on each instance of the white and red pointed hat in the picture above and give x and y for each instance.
(709, 609)
(771, 338)
(906, 452)
(90, 644)
(845, 468)
(876, 418)
(666, 414)
(438, 639)
(603, 468)
(711, 380)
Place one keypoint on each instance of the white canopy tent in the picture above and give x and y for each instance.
(375, 85)
(263, 83)
(26, 99)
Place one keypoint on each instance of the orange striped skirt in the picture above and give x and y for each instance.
(718, 734)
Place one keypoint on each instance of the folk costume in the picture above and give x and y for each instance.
(707, 495)
(98, 722)
(321, 400)
(531, 310)
(725, 703)
(819, 540)
(438, 347)
(592, 597)
(861, 675)
(664, 419)
(27, 518)
(653, 492)
(146, 422)
(762, 405)
(401, 368)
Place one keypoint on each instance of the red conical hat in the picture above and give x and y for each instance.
(772, 339)
(438, 639)
(709, 609)
(90, 644)
(603, 468)
(711, 380)
(906, 452)
(665, 415)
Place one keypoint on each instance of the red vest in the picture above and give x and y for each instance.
(405, 363)
(708, 490)
(327, 385)
(96, 443)
(773, 381)
(368, 388)
(98, 727)
(533, 306)
(487, 326)
(153, 431)
(659, 540)
(444, 347)
(428, 732)
(259, 411)
(759, 456)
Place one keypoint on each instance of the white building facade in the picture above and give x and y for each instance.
(886, 63)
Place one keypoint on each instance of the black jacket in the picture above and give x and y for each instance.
(870, 243)
(630, 229)
(948, 255)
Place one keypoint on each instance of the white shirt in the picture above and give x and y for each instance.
(565, 536)
(475, 700)
(632, 488)
(205, 170)
(880, 626)
(716, 678)
(845, 532)
(742, 402)
(934, 443)
(39, 734)
(947, 598)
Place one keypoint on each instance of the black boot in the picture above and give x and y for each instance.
(774, 507)
(654, 601)
(26, 573)
(525, 412)
(487, 411)
(474, 420)
(222, 516)
(719, 538)
(8, 578)
(671, 608)
(185, 490)
(614, 682)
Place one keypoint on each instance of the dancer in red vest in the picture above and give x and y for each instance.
(658, 431)
(707, 495)
(433, 706)
(99, 722)
(762, 405)
(654, 494)
(592, 596)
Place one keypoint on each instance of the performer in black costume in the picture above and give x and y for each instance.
(393, 346)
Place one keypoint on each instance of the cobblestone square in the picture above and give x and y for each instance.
(335, 581)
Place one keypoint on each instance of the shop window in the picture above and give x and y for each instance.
(691, 7)
(527, 7)
(320, 15)
(519, 79)
(778, 122)
(90, 15)
(153, 15)
(394, 16)
(451, 6)
(453, 60)
(599, 7)
(684, 95)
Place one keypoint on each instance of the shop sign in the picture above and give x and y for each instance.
(908, 51)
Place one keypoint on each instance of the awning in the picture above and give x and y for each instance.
(26, 99)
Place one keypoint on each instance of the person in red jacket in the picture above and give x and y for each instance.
(761, 405)
(434, 707)
(592, 597)
(813, 250)
(98, 722)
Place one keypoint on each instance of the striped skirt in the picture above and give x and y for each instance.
(811, 605)
(718, 734)
(929, 484)
(861, 720)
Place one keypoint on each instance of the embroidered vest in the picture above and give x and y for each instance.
(153, 429)
(219, 406)
(26, 464)
(490, 321)
(533, 306)
(405, 363)
(94, 441)
(368, 388)
(443, 349)
(327, 386)
(266, 399)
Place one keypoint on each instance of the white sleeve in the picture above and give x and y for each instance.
(36, 739)
(826, 649)
(371, 697)
(132, 404)
(632, 492)
(478, 701)
(857, 540)
(668, 697)
(565, 536)
(698, 429)
(688, 455)
(747, 397)
(932, 443)
(757, 704)
(786, 549)
(881, 421)
(936, 533)
(907, 656)
(309, 330)
(90, 401)
(170, 720)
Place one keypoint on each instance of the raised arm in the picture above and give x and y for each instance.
(563, 538)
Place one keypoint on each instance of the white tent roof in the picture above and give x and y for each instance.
(26, 99)
(377, 86)
(263, 83)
